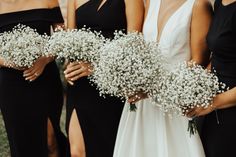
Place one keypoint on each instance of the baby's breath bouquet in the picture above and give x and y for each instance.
(75, 45)
(187, 87)
(127, 65)
(22, 46)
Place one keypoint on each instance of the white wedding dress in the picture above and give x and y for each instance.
(147, 132)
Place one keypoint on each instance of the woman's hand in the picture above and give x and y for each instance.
(221, 101)
(76, 70)
(201, 111)
(37, 69)
(137, 97)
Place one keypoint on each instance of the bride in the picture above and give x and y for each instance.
(180, 27)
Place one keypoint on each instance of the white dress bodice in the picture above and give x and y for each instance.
(147, 132)
(175, 37)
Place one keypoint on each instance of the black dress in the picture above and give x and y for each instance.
(219, 136)
(99, 117)
(26, 106)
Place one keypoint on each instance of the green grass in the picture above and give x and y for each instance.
(4, 147)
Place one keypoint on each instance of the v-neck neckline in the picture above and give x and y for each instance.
(159, 34)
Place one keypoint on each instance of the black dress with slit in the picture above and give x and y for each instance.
(27, 106)
(99, 117)
(219, 128)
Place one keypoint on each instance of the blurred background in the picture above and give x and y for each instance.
(4, 148)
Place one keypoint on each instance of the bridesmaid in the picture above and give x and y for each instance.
(31, 99)
(219, 127)
(92, 121)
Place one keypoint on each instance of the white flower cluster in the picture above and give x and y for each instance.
(188, 86)
(75, 45)
(22, 46)
(127, 65)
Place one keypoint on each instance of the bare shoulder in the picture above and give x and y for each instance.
(202, 6)
(134, 2)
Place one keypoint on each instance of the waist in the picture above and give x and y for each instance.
(223, 116)
(11, 75)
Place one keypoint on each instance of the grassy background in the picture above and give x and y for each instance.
(4, 148)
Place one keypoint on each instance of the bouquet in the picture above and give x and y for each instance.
(75, 45)
(22, 46)
(187, 87)
(127, 65)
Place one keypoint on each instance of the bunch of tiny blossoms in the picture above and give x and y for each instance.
(187, 87)
(75, 45)
(22, 46)
(127, 65)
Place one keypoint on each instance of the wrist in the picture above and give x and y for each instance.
(217, 102)
(48, 60)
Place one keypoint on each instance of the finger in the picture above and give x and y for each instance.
(75, 73)
(33, 76)
(198, 111)
(74, 63)
(70, 69)
(188, 111)
(30, 69)
(28, 72)
(70, 82)
(134, 99)
(28, 76)
(131, 100)
(191, 113)
(83, 74)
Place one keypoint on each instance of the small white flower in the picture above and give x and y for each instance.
(188, 86)
(75, 45)
(22, 46)
(127, 65)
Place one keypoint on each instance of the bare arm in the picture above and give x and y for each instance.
(39, 65)
(71, 24)
(201, 20)
(134, 15)
(1, 63)
(226, 99)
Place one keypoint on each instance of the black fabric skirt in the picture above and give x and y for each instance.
(219, 133)
(26, 107)
(98, 116)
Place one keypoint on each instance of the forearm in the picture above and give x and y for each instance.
(2, 63)
(226, 99)
(48, 59)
